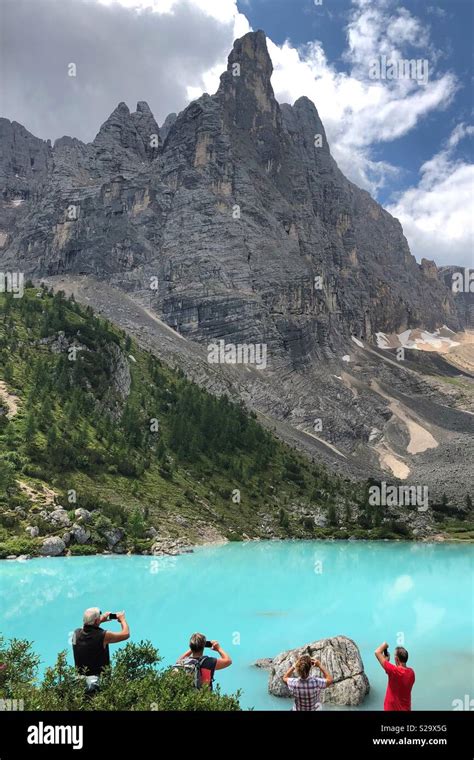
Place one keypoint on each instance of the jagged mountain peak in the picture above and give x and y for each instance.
(302, 120)
(119, 116)
(143, 107)
(24, 158)
(125, 135)
(239, 147)
(245, 89)
(121, 109)
(66, 141)
(167, 125)
(252, 50)
(305, 105)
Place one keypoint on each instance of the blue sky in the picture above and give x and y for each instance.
(409, 144)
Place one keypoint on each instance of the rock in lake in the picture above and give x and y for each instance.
(340, 656)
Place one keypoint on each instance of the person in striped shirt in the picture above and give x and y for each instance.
(306, 688)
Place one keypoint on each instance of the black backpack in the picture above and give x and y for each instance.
(192, 667)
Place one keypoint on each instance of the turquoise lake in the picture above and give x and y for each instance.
(269, 596)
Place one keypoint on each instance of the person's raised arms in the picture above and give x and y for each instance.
(225, 660)
(114, 637)
(289, 673)
(379, 653)
(329, 679)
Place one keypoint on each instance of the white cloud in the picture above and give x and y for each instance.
(220, 10)
(358, 112)
(120, 54)
(437, 214)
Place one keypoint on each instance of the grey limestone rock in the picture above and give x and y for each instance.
(339, 656)
(52, 546)
(80, 534)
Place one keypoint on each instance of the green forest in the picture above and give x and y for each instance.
(90, 420)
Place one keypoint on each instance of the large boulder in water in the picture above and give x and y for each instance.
(338, 655)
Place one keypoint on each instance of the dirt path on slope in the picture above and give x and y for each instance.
(11, 401)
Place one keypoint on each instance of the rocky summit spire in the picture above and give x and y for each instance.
(245, 89)
(147, 128)
(116, 128)
(125, 137)
(167, 124)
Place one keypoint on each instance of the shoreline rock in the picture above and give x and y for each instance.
(52, 546)
(339, 655)
(171, 547)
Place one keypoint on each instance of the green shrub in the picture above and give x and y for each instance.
(82, 550)
(7, 475)
(384, 531)
(15, 459)
(133, 682)
(21, 667)
(17, 545)
(399, 528)
(34, 471)
(9, 519)
(308, 524)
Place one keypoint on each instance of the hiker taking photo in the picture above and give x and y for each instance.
(199, 665)
(400, 678)
(306, 688)
(90, 644)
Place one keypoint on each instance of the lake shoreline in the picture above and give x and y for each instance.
(435, 539)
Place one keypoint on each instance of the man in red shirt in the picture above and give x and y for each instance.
(400, 678)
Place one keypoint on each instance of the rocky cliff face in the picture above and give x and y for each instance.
(235, 213)
(461, 283)
(231, 222)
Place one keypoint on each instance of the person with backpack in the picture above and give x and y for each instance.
(199, 665)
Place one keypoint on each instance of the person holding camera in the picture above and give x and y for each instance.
(90, 644)
(305, 688)
(200, 666)
(400, 678)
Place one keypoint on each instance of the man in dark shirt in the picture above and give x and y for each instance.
(90, 644)
(207, 665)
